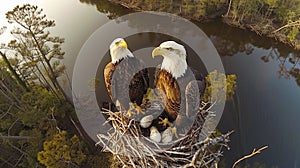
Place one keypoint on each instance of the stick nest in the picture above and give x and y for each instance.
(131, 149)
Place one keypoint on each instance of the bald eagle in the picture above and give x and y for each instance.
(126, 78)
(179, 86)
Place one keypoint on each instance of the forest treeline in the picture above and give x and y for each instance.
(272, 24)
(279, 19)
(38, 125)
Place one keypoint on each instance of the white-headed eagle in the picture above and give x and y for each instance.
(179, 86)
(126, 78)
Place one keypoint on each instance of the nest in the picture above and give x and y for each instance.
(131, 149)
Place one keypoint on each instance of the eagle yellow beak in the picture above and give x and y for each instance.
(123, 44)
(158, 51)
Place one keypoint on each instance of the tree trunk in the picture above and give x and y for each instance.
(229, 6)
(52, 76)
(14, 73)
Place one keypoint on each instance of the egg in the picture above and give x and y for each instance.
(154, 134)
(167, 135)
(146, 121)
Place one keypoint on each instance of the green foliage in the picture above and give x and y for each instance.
(61, 152)
(201, 8)
(293, 33)
(278, 18)
(103, 159)
(189, 8)
(214, 5)
(287, 10)
(219, 87)
(281, 11)
(246, 10)
(34, 115)
(230, 85)
(37, 54)
(37, 120)
(40, 105)
(40, 100)
(262, 16)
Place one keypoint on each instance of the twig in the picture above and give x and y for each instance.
(254, 152)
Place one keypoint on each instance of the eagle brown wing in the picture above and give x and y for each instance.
(138, 86)
(108, 72)
(126, 81)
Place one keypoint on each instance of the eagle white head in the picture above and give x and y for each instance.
(174, 58)
(119, 50)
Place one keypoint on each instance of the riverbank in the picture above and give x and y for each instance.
(262, 26)
(268, 29)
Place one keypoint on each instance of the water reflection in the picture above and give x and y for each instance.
(231, 41)
(105, 6)
(266, 103)
(288, 64)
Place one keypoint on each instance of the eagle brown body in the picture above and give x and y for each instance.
(169, 92)
(177, 93)
(126, 81)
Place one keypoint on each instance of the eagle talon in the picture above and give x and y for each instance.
(131, 110)
(165, 122)
(138, 109)
(130, 113)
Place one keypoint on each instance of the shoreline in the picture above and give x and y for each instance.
(254, 27)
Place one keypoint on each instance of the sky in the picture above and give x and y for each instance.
(75, 26)
(7, 5)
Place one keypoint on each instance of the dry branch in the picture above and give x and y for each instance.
(254, 152)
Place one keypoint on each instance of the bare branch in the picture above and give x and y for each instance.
(254, 152)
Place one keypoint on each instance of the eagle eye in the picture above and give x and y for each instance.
(169, 48)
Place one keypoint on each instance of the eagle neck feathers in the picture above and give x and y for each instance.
(119, 54)
(175, 66)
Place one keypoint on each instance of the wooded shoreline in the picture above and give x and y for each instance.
(266, 27)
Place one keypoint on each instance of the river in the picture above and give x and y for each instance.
(266, 107)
